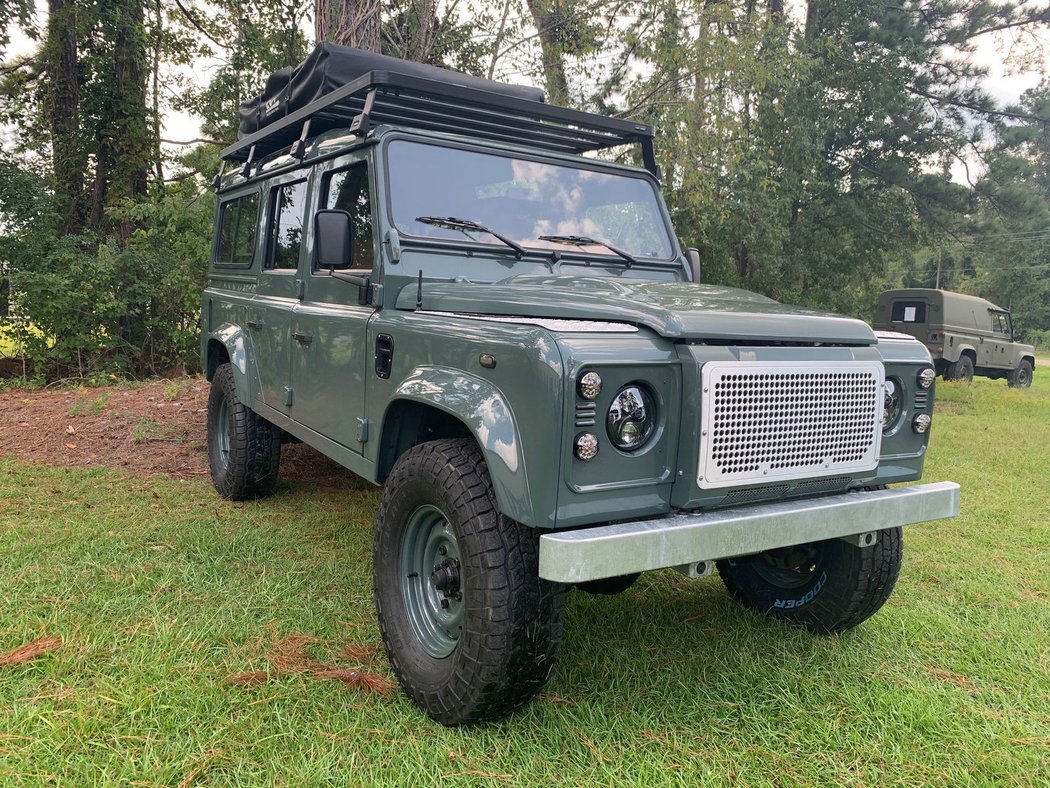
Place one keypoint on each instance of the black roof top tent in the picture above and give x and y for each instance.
(341, 87)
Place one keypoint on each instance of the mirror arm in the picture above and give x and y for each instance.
(364, 295)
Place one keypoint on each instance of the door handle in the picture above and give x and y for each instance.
(255, 325)
(303, 338)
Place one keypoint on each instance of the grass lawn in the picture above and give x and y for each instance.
(162, 592)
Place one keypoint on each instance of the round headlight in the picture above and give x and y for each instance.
(586, 447)
(926, 377)
(589, 385)
(631, 420)
(921, 423)
(891, 404)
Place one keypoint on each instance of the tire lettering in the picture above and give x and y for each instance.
(809, 596)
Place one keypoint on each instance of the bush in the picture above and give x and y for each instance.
(109, 307)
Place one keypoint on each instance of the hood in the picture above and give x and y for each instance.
(676, 310)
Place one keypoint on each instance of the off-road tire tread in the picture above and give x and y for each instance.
(498, 667)
(1015, 380)
(255, 444)
(870, 576)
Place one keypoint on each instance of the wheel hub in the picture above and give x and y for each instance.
(445, 578)
(431, 581)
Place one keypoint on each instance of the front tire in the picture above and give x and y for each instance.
(1021, 378)
(244, 449)
(962, 370)
(828, 586)
(470, 629)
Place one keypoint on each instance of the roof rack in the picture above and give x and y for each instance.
(420, 103)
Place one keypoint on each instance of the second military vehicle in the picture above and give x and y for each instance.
(965, 335)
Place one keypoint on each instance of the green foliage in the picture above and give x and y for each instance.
(251, 41)
(125, 307)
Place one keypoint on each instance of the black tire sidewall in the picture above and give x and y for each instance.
(1022, 376)
(223, 390)
(429, 674)
(849, 584)
(513, 619)
(255, 443)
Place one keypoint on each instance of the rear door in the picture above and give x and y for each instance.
(909, 315)
(278, 290)
(330, 358)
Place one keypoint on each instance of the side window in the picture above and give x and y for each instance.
(347, 190)
(1000, 323)
(238, 219)
(286, 225)
(908, 312)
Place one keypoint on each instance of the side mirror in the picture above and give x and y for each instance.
(333, 240)
(693, 257)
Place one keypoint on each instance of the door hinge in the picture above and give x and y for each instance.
(362, 430)
(288, 395)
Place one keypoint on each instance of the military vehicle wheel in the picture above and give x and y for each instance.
(609, 586)
(1021, 378)
(961, 370)
(827, 586)
(244, 449)
(470, 628)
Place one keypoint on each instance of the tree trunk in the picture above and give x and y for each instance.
(553, 62)
(68, 151)
(354, 23)
(123, 154)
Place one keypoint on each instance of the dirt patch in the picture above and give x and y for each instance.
(151, 429)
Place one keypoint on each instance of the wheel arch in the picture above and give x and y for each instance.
(228, 344)
(434, 403)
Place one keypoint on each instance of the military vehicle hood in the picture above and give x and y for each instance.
(674, 310)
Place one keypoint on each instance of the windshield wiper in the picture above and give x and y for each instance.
(466, 225)
(583, 240)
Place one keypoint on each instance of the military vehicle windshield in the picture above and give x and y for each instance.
(523, 199)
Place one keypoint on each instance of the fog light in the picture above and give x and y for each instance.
(926, 377)
(921, 423)
(590, 385)
(586, 447)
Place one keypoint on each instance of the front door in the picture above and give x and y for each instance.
(330, 359)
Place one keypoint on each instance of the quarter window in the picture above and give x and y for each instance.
(238, 219)
(289, 207)
(347, 190)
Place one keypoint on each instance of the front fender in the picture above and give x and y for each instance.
(483, 408)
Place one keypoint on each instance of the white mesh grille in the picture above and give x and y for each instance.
(768, 421)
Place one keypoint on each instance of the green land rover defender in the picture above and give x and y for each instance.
(424, 276)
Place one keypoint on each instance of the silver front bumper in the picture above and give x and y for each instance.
(675, 540)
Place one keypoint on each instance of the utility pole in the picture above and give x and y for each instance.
(939, 253)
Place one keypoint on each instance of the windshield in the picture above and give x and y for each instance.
(522, 200)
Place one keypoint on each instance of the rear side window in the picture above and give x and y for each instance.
(238, 220)
(286, 225)
(347, 190)
(908, 312)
